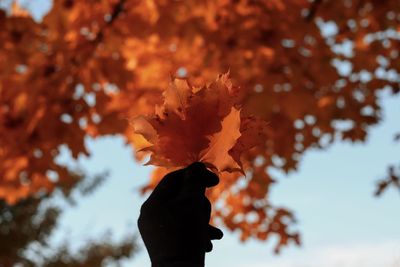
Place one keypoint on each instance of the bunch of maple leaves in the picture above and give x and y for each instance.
(200, 124)
(304, 67)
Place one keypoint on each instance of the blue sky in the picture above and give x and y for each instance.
(342, 224)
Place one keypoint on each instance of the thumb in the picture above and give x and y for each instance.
(197, 178)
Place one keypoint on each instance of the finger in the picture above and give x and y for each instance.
(214, 233)
(169, 187)
(192, 179)
(195, 207)
(198, 177)
(209, 246)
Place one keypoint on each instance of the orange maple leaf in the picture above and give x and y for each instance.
(196, 124)
(217, 152)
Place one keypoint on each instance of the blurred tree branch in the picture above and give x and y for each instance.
(26, 229)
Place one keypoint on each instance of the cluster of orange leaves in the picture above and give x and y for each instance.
(199, 124)
(86, 66)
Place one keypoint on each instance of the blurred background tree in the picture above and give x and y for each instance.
(313, 69)
(27, 227)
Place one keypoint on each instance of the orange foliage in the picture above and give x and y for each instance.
(302, 66)
(198, 124)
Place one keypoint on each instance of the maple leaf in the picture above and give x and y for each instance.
(195, 124)
(216, 154)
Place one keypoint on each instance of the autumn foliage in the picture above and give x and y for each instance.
(304, 74)
(199, 124)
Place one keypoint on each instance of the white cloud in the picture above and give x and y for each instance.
(384, 254)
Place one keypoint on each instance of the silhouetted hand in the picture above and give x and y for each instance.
(174, 220)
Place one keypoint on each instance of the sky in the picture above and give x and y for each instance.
(341, 223)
